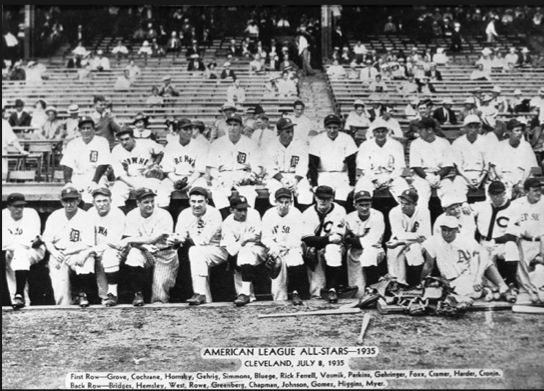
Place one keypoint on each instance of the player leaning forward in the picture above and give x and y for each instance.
(20, 230)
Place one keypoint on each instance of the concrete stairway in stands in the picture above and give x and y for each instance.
(315, 94)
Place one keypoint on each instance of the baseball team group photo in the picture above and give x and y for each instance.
(181, 171)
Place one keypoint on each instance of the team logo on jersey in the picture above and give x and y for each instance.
(74, 235)
(503, 221)
(16, 231)
(200, 226)
(102, 231)
(135, 160)
(294, 161)
(93, 156)
(415, 227)
(241, 158)
(463, 256)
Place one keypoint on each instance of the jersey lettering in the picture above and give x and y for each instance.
(184, 159)
(200, 226)
(74, 235)
(17, 231)
(327, 227)
(241, 158)
(135, 160)
(93, 156)
(503, 221)
(102, 231)
(294, 161)
(415, 227)
(535, 216)
(286, 229)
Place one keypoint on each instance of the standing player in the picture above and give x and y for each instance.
(86, 160)
(147, 230)
(109, 226)
(20, 230)
(286, 163)
(365, 229)
(455, 205)
(410, 227)
(241, 237)
(129, 160)
(184, 163)
(333, 159)
(199, 229)
(282, 236)
(324, 230)
(68, 237)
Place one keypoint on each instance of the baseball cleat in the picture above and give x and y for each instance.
(332, 297)
(83, 301)
(509, 296)
(197, 299)
(18, 302)
(241, 300)
(111, 300)
(295, 298)
(138, 299)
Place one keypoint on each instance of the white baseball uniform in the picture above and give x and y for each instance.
(165, 261)
(182, 162)
(290, 161)
(432, 157)
(472, 158)
(83, 159)
(334, 221)
(370, 234)
(285, 235)
(65, 234)
(303, 128)
(234, 162)
(17, 236)
(8, 137)
(332, 170)
(467, 225)
(381, 164)
(205, 231)
(407, 228)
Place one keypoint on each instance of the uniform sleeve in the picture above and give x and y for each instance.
(395, 220)
(447, 153)
(87, 231)
(167, 162)
(351, 147)
(415, 154)
(315, 147)
(119, 228)
(375, 235)
(51, 227)
(268, 228)
(104, 155)
(155, 148)
(201, 159)
(229, 239)
(118, 168)
(68, 156)
(424, 220)
(214, 155)
(131, 225)
(32, 225)
(400, 161)
(302, 165)
(363, 161)
(165, 224)
(430, 246)
(529, 157)
(182, 227)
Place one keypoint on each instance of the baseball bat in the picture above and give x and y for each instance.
(310, 313)
(528, 309)
(364, 326)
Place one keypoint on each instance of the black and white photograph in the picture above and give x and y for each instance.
(272, 196)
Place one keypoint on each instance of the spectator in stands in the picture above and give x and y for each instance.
(353, 73)
(512, 57)
(425, 86)
(336, 71)
(408, 87)
(345, 56)
(38, 115)
(246, 47)
(263, 134)
(390, 27)
(20, 117)
(236, 93)
(286, 86)
(357, 118)
(488, 112)
(80, 52)
(423, 111)
(104, 124)
(193, 49)
(271, 87)
(120, 50)
(377, 108)
(195, 64)
(71, 124)
(140, 131)
(233, 49)
(168, 89)
(490, 31)
(261, 51)
(100, 63)
(525, 60)
(283, 25)
(134, 71)
(499, 101)
(8, 139)
(287, 64)
(445, 115)
(252, 30)
(210, 71)
(53, 129)
(433, 73)
(227, 72)
(140, 34)
(155, 100)
(174, 44)
(34, 74)
(486, 60)
(145, 50)
(480, 74)
(456, 39)
(303, 41)
(17, 72)
(338, 37)
(359, 50)
(85, 73)
(369, 72)
(378, 85)
(274, 59)
(256, 66)
(410, 110)
(537, 105)
(396, 71)
(440, 58)
(123, 82)
(220, 128)
(517, 104)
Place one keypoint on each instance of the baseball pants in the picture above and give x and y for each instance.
(201, 259)
(447, 186)
(21, 259)
(165, 265)
(338, 181)
(166, 188)
(369, 257)
(83, 181)
(397, 186)
(120, 192)
(303, 193)
(398, 258)
(530, 279)
(107, 261)
(248, 255)
(331, 255)
(60, 276)
(279, 285)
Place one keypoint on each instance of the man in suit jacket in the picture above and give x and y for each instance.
(433, 73)
(444, 114)
(524, 59)
(19, 117)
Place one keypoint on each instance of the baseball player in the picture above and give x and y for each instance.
(333, 159)
(147, 231)
(470, 153)
(198, 228)
(365, 229)
(109, 226)
(241, 236)
(304, 124)
(380, 162)
(513, 159)
(234, 162)
(86, 159)
(431, 159)
(130, 159)
(282, 236)
(286, 164)
(461, 261)
(184, 163)
(324, 230)
(455, 205)
(20, 230)
(68, 237)
(527, 225)
(410, 227)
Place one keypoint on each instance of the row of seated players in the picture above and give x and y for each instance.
(301, 249)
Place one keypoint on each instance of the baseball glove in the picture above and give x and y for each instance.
(310, 257)
(181, 184)
(153, 171)
(273, 266)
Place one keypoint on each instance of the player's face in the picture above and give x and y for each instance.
(185, 135)
(146, 205)
(407, 207)
(99, 106)
(70, 204)
(235, 131)
(127, 142)
(87, 132)
(240, 214)
(323, 204)
(380, 134)
(534, 194)
(516, 134)
(283, 205)
(454, 210)
(473, 128)
(363, 208)
(332, 130)
(198, 204)
(298, 110)
(498, 199)
(449, 234)
(16, 211)
(102, 204)
(286, 136)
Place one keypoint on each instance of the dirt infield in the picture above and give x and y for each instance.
(40, 347)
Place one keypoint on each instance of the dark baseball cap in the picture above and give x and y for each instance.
(531, 182)
(410, 195)
(126, 129)
(426, 122)
(144, 192)
(496, 187)
(16, 199)
(332, 119)
(283, 193)
(235, 118)
(362, 195)
(184, 123)
(324, 192)
(200, 125)
(19, 103)
(285, 123)
(103, 191)
(69, 193)
(259, 110)
(84, 120)
(199, 191)
(514, 123)
(239, 202)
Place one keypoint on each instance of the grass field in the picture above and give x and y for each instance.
(40, 347)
